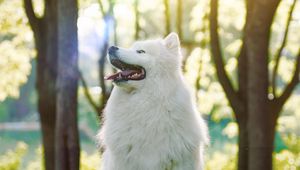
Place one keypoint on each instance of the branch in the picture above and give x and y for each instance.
(87, 94)
(217, 56)
(101, 8)
(185, 58)
(101, 73)
(115, 30)
(291, 85)
(279, 52)
(137, 18)
(33, 19)
(167, 17)
(101, 62)
(179, 18)
(197, 83)
(203, 44)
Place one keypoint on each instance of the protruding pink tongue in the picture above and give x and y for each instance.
(112, 77)
(119, 74)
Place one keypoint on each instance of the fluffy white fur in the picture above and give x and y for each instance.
(153, 124)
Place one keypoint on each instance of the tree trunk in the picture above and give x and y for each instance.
(256, 115)
(45, 36)
(66, 138)
(241, 114)
(243, 145)
(261, 131)
(46, 42)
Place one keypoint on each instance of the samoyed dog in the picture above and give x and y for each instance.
(151, 121)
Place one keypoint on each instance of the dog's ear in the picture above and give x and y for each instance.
(172, 41)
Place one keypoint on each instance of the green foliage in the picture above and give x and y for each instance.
(86, 114)
(16, 44)
(11, 160)
(289, 158)
(210, 95)
(90, 161)
(225, 159)
(289, 120)
(37, 163)
(87, 161)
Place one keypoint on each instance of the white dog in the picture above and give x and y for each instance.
(151, 121)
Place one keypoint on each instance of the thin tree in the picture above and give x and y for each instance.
(137, 20)
(109, 19)
(256, 114)
(167, 17)
(179, 18)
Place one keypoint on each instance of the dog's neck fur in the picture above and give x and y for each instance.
(151, 92)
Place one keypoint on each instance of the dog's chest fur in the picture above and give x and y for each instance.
(144, 126)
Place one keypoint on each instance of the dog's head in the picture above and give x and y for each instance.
(145, 61)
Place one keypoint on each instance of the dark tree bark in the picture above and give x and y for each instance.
(256, 115)
(45, 36)
(242, 114)
(261, 125)
(66, 132)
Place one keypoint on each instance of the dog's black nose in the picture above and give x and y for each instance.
(112, 49)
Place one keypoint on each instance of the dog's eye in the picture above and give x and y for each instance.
(140, 51)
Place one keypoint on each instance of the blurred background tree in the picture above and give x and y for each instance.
(256, 109)
(215, 37)
(67, 149)
(44, 27)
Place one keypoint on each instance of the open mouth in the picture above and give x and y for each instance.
(127, 72)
